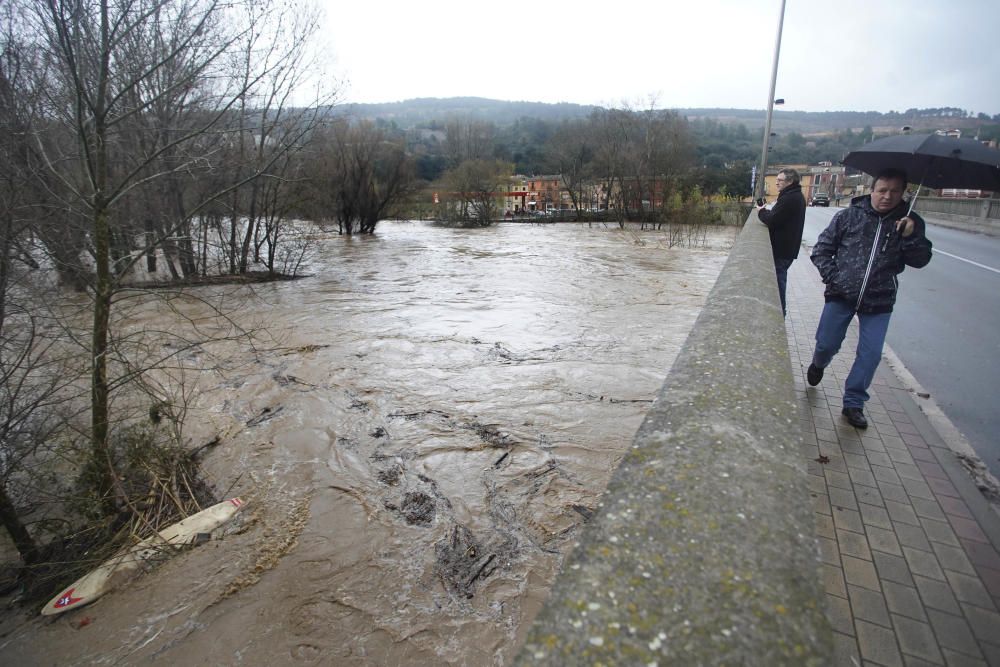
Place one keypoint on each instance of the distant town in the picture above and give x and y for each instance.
(545, 195)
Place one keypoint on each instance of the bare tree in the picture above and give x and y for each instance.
(572, 149)
(468, 140)
(650, 150)
(668, 154)
(145, 91)
(36, 391)
(360, 175)
(475, 190)
(32, 375)
(611, 130)
(271, 64)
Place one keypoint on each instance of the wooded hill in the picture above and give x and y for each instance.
(429, 111)
(724, 140)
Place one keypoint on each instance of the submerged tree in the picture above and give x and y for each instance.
(358, 175)
(572, 149)
(33, 375)
(143, 108)
(474, 190)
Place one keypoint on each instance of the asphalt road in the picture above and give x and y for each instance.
(946, 329)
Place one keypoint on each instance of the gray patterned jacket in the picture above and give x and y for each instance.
(860, 254)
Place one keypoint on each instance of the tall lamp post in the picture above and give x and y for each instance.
(770, 106)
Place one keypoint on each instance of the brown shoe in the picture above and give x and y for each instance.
(855, 417)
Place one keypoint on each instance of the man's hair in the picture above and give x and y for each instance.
(891, 174)
(791, 175)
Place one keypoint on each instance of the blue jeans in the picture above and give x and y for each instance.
(781, 267)
(833, 324)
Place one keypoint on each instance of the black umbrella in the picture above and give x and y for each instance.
(932, 160)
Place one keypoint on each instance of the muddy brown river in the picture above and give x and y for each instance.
(436, 420)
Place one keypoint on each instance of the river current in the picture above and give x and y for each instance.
(436, 420)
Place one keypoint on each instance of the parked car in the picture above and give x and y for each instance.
(820, 199)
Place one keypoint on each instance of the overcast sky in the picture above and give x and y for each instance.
(855, 55)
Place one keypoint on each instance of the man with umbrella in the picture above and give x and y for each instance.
(859, 256)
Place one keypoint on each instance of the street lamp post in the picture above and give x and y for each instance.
(770, 105)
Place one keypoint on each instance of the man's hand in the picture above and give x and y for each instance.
(905, 226)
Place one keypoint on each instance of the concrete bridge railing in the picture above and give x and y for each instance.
(976, 215)
(983, 209)
(703, 549)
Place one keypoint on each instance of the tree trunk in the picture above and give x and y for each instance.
(170, 257)
(233, 222)
(23, 541)
(63, 245)
(186, 254)
(150, 246)
(99, 391)
(252, 223)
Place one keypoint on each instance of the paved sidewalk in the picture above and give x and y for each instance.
(909, 545)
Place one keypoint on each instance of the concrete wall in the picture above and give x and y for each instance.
(971, 208)
(965, 223)
(703, 551)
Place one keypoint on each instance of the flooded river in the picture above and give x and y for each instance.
(439, 417)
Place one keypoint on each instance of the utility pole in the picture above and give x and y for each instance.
(770, 106)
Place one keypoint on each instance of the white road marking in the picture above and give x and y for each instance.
(962, 259)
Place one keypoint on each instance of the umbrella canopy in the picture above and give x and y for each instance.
(931, 160)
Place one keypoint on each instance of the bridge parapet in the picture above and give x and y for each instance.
(703, 549)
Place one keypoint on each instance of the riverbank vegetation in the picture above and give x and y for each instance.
(156, 137)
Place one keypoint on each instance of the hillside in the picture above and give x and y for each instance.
(426, 110)
(422, 112)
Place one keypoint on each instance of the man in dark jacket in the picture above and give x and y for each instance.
(784, 224)
(859, 256)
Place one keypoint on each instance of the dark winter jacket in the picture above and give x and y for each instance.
(860, 254)
(784, 222)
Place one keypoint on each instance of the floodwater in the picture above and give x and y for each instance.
(438, 418)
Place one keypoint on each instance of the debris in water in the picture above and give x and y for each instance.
(390, 476)
(285, 380)
(305, 349)
(418, 508)
(462, 560)
(492, 435)
(265, 415)
(412, 416)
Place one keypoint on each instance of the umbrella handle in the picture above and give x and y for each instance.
(914, 200)
(912, 203)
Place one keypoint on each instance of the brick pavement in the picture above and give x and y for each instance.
(909, 546)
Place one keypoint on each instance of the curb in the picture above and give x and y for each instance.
(964, 458)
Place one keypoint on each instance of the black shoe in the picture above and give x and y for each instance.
(814, 375)
(855, 417)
